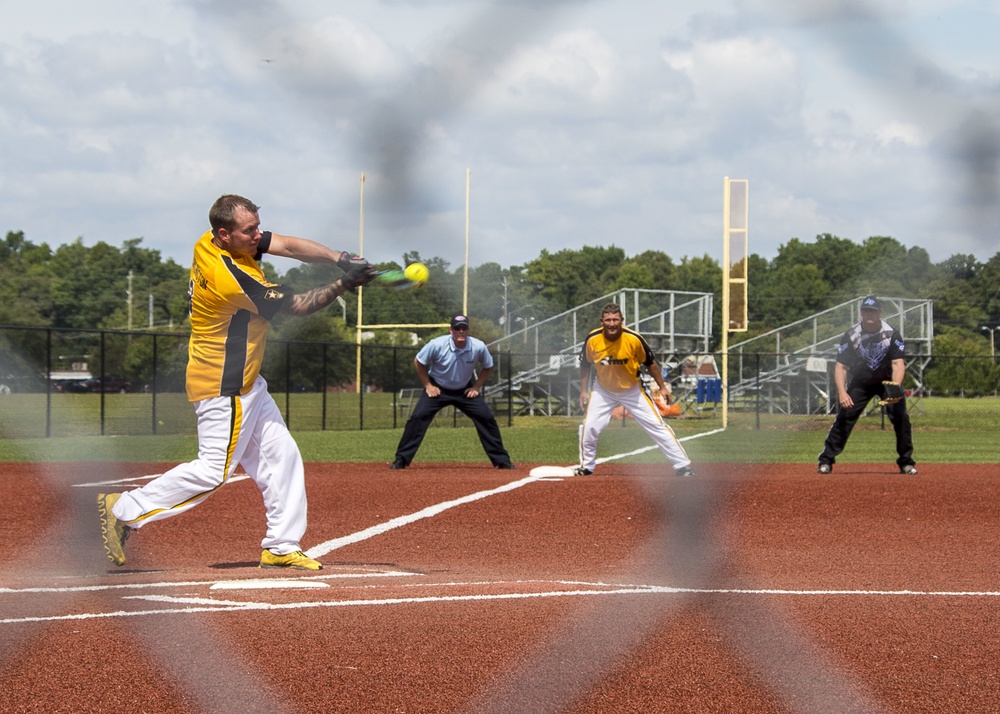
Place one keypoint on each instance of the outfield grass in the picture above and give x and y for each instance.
(538, 440)
(945, 431)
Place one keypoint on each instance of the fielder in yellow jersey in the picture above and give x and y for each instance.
(616, 355)
(232, 304)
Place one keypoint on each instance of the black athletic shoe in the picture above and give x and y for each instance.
(506, 466)
(685, 472)
(398, 464)
(824, 469)
(580, 471)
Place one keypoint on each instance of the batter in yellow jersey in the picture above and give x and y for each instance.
(616, 355)
(232, 304)
(238, 421)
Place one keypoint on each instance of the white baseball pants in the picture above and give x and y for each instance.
(247, 430)
(638, 403)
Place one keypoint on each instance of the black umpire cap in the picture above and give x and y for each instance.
(459, 321)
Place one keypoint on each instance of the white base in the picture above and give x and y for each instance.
(552, 471)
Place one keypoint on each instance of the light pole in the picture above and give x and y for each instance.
(991, 329)
(505, 317)
(526, 321)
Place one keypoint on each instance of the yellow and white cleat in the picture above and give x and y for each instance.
(113, 532)
(296, 561)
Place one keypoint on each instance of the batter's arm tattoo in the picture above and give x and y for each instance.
(316, 299)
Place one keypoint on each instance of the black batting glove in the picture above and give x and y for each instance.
(358, 276)
(346, 261)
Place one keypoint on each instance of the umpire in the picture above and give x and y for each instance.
(446, 366)
(870, 352)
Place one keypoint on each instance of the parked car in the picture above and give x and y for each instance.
(81, 386)
(71, 386)
(108, 384)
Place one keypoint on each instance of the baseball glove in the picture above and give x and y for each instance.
(891, 393)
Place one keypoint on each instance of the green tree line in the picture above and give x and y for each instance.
(76, 286)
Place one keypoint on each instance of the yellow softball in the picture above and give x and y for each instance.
(417, 272)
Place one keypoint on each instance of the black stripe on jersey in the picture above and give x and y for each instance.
(583, 349)
(267, 300)
(236, 354)
(650, 358)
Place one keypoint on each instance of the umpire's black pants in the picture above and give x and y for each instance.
(476, 409)
(836, 440)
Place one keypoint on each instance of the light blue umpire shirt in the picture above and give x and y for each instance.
(450, 367)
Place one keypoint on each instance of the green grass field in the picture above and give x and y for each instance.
(945, 431)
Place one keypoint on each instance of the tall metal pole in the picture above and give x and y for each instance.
(128, 293)
(465, 290)
(991, 330)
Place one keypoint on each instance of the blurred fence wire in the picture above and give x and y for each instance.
(64, 382)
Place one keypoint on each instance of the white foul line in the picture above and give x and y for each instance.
(211, 583)
(203, 605)
(322, 549)
(654, 446)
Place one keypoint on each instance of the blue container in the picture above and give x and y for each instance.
(715, 390)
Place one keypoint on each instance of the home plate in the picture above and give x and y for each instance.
(269, 584)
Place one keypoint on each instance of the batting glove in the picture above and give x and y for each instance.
(358, 276)
(346, 261)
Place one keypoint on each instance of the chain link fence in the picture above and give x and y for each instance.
(64, 382)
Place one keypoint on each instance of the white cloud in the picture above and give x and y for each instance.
(572, 66)
(333, 50)
(584, 123)
(737, 79)
(903, 132)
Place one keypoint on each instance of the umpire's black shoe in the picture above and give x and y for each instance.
(505, 465)
(398, 464)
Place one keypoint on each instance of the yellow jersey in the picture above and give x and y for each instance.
(617, 364)
(231, 305)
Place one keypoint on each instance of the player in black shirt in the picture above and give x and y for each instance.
(870, 353)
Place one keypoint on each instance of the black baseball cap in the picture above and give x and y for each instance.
(459, 321)
(871, 303)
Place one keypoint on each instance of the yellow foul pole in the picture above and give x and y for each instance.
(361, 251)
(725, 302)
(735, 260)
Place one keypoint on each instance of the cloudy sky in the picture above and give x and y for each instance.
(610, 122)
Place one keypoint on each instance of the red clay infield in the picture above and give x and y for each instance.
(749, 588)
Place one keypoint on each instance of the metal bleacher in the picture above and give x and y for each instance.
(538, 373)
(789, 369)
